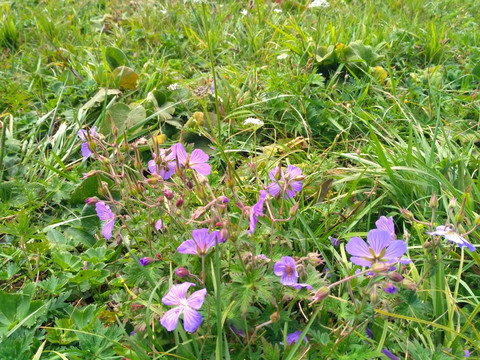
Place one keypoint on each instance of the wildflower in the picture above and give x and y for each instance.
(105, 214)
(196, 161)
(145, 261)
(288, 182)
(244, 12)
(386, 224)
(278, 11)
(176, 296)
(162, 164)
(335, 242)
(172, 87)
(380, 249)
(256, 211)
(319, 3)
(369, 333)
(389, 355)
(254, 122)
(85, 136)
(294, 337)
(287, 270)
(467, 353)
(202, 241)
(182, 272)
(300, 286)
(158, 224)
(448, 233)
(388, 287)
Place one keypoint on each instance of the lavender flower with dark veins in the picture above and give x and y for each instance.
(287, 270)
(201, 242)
(380, 249)
(177, 296)
(163, 165)
(197, 160)
(386, 224)
(84, 135)
(287, 183)
(105, 214)
(256, 211)
(448, 233)
(293, 338)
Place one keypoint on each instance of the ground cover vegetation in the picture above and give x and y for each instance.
(283, 179)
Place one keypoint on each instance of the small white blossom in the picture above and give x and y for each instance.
(319, 3)
(256, 123)
(278, 11)
(244, 12)
(172, 87)
(282, 56)
(163, 11)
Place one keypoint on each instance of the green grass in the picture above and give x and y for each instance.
(377, 103)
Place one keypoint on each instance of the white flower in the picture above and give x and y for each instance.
(278, 11)
(172, 87)
(244, 12)
(319, 3)
(163, 11)
(282, 56)
(256, 123)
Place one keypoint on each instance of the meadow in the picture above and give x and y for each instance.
(200, 179)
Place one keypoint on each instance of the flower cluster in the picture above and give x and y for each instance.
(287, 182)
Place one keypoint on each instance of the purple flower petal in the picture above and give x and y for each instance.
(389, 288)
(389, 355)
(293, 171)
(152, 166)
(395, 251)
(195, 301)
(299, 286)
(86, 153)
(179, 154)
(188, 247)
(294, 337)
(360, 261)
(202, 169)
(191, 319)
(108, 229)
(369, 333)
(176, 294)
(386, 224)
(170, 319)
(273, 189)
(103, 211)
(286, 268)
(378, 240)
(158, 224)
(357, 247)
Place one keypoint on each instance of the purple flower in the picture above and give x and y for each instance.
(386, 224)
(299, 286)
(369, 333)
(105, 214)
(334, 241)
(287, 270)
(196, 161)
(389, 288)
(176, 296)
(202, 241)
(85, 136)
(257, 210)
(145, 261)
(158, 224)
(389, 355)
(467, 353)
(448, 233)
(294, 337)
(380, 248)
(165, 166)
(287, 183)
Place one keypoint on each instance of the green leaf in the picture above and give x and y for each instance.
(85, 317)
(67, 261)
(125, 77)
(365, 52)
(83, 237)
(115, 57)
(90, 221)
(17, 310)
(99, 97)
(116, 115)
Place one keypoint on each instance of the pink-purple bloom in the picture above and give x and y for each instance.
(197, 160)
(389, 288)
(145, 261)
(386, 224)
(85, 136)
(158, 224)
(389, 355)
(256, 211)
(379, 249)
(287, 269)
(299, 286)
(201, 242)
(177, 296)
(162, 164)
(293, 338)
(288, 182)
(106, 215)
(448, 233)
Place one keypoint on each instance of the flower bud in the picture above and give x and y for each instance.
(182, 272)
(380, 267)
(179, 203)
(275, 316)
(434, 201)
(407, 214)
(334, 241)
(146, 260)
(125, 146)
(321, 294)
(223, 235)
(223, 199)
(189, 184)
(103, 189)
(409, 284)
(293, 210)
(92, 200)
(168, 194)
(452, 204)
(374, 295)
(459, 217)
(230, 181)
(314, 259)
(477, 220)
(92, 145)
(394, 276)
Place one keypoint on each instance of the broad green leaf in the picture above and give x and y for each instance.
(127, 78)
(99, 97)
(115, 57)
(83, 237)
(117, 115)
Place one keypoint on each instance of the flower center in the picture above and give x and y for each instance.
(184, 303)
(289, 270)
